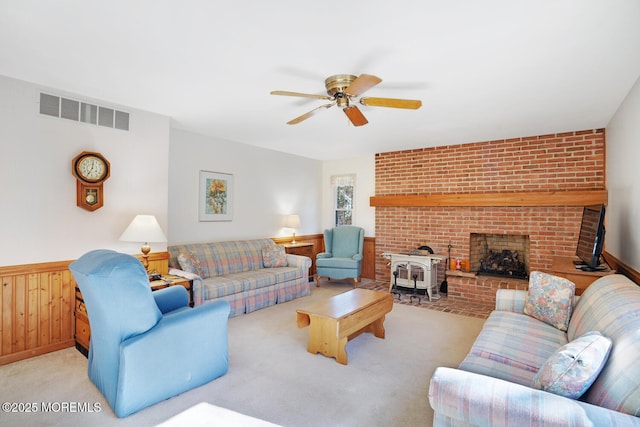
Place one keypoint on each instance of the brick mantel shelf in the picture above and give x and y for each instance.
(520, 198)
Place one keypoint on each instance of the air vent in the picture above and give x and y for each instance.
(57, 106)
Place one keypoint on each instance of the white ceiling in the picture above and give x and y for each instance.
(484, 70)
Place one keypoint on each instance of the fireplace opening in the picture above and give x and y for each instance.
(504, 255)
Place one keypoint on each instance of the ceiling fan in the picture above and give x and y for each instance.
(342, 89)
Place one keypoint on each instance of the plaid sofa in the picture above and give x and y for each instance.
(234, 271)
(491, 387)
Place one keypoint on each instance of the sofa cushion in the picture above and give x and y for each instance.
(512, 346)
(254, 279)
(274, 256)
(240, 255)
(550, 299)
(190, 263)
(221, 286)
(216, 287)
(337, 262)
(571, 370)
(283, 274)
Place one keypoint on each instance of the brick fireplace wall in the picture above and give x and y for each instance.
(558, 162)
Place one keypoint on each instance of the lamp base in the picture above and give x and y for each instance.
(145, 256)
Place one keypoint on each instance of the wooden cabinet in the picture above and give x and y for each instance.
(83, 329)
(564, 267)
(304, 249)
(171, 280)
(369, 258)
(82, 325)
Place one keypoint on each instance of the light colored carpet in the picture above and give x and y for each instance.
(272, 376)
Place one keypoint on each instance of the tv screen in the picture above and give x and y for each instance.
(591, 238)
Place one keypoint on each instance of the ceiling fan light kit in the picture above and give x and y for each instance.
(342, 90)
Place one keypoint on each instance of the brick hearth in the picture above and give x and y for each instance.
(471, 288)
(570, 161)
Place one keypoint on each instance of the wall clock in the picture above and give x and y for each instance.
(91, 170)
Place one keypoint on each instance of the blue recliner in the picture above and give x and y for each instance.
(146, 347)
(342, 258)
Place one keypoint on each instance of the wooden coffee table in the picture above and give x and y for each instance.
(343, 317)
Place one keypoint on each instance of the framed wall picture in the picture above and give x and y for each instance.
(215, 196)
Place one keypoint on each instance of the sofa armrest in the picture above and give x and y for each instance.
(473, 399)
(510, 300)
(299, 261)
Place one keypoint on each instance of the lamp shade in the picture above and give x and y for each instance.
(143, 228)
(292, 221)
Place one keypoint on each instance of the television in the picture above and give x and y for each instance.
(591, 239)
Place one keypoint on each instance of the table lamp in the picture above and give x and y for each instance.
(144, 228)
(293, 222)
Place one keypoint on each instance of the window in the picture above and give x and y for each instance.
(343, 191)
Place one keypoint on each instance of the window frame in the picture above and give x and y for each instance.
(339, 181)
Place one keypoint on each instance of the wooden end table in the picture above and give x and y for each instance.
(332, 323)
(170, 280)
(564, 267)
(303, 249)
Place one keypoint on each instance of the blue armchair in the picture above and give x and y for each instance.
(146, 347)
(342, 258)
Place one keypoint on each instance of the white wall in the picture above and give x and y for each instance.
(267, 186)
(155, 170)
(364, 168)
(39, 219)
(623, 151)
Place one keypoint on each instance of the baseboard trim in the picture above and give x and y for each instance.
(38, 351)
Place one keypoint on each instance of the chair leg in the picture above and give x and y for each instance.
(355, 282)
(318, 281)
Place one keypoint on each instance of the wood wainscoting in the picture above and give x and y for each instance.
(37, 310)
(37, 303)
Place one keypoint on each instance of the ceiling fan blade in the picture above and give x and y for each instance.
(355, 115)
(304, 95)
(362, 84)
(309, 114)
(412, 104)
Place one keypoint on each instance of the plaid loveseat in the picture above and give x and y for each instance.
(234, 271)
(493, 385)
